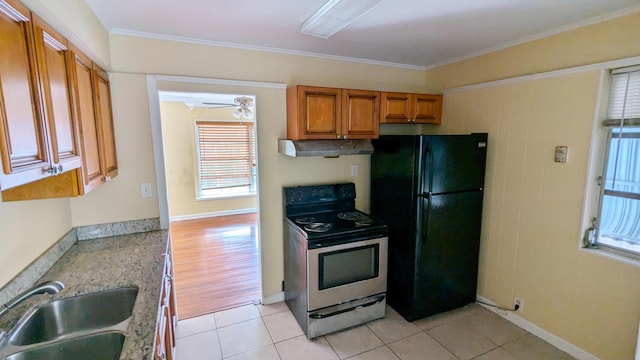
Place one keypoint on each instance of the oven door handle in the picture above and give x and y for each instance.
(324, 316)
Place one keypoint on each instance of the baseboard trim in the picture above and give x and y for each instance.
(273, 298)
(213, 214)
(553, 339)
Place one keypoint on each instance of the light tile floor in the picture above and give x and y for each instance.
(270, 332)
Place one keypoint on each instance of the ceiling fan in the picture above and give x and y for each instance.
(244, 104)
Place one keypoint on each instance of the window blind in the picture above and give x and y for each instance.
(624, 98)
(225, 154)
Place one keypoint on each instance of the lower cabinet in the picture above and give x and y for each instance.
(165, 342)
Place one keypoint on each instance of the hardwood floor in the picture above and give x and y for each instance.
(216, 263)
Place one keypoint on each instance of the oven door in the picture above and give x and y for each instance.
(346, 272)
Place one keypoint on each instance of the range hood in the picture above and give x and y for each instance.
(326, 148)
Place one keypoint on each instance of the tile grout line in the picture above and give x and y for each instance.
(436, 340)
(382, 341)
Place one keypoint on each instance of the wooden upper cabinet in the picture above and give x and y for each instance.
(92, 171)
(23, 143)
(331, 113)
(360, 114)
(53, 69)
(407, 108)
(104, 112)
(313, 113)
(38, 135)
(55, 112)
(427, 109)
(92, 112)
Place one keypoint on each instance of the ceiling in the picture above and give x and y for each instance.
(412, 33)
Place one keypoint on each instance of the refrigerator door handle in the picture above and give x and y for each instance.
(421, 215)
(428, 159)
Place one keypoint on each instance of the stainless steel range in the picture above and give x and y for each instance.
(335, 259)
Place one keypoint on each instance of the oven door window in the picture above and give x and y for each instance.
(348, 266)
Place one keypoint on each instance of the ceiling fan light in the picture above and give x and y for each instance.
(190, 102)
(335, 15)
(237, 114)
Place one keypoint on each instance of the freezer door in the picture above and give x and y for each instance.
(394, 186)
(453, 162)
(447, 252)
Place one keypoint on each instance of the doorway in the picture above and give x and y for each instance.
(210, 163)
(216, 263)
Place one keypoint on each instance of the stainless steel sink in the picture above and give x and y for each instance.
(100, 346)
(91, 326)
(75, 314)
(103, 310)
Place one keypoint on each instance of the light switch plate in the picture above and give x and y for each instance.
(560, 155)
(354, 170)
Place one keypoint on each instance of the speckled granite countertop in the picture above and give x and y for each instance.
(107, 263)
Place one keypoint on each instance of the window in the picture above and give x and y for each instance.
(226, 156)
(617, 226)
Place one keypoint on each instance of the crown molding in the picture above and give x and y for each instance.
(260, 48)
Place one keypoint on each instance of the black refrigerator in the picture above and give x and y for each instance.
(428, 189)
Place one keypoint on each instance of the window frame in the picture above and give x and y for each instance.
(231, 192)
(615, 193)
(595, 189)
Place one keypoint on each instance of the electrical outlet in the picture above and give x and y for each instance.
(145, 190)
(519, 303)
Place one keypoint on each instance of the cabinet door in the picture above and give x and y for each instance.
(103, 111)
(360, 114)
(173, 306)
(160, 348)
(90, 142)
(427, 109)
(395, 108)
(51, 55)
(313, 113)
(168, 336)
(22, 134)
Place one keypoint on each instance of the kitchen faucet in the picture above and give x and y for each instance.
(47, 287)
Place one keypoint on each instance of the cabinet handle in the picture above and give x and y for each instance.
(49, 170)
(104, 179)
(60, 169)
(345, 137)
(338, 136)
